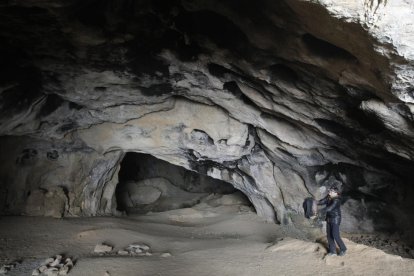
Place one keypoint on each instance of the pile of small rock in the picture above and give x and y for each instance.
(7, 267)
(131, 250)
(136, 250)
(102, 248)
(54, 266)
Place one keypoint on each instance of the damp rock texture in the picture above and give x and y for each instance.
(257, 95)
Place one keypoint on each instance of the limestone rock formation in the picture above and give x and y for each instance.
(275, 98)
(156, 194)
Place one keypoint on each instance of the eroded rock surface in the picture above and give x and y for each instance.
(155, 194)
(260, 96)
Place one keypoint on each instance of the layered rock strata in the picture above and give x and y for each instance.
(276, 98)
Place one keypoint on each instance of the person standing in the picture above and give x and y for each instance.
(333, 220)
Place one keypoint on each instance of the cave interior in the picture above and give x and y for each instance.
(116, 107)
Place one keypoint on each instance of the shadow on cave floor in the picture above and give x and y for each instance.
(391, 244)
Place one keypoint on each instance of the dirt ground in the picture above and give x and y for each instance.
(220, 240)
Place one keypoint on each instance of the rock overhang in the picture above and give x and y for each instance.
(261, 97)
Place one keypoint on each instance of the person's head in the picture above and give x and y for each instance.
(333, 192)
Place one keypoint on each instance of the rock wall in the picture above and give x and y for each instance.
(56, 178)
(260, 96)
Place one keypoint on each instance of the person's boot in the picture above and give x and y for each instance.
(342, 252)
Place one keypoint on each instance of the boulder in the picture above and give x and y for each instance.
(102, 248)
(155, 194)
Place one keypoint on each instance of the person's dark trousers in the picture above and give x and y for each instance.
(332, 232)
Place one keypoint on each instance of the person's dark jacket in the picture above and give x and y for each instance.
(333, 209)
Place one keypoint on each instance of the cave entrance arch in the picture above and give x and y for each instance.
(146, 183)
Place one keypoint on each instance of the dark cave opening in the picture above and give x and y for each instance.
(147, 183)
(325, 49)
(219, 29)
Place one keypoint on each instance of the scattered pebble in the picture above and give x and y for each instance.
(123, 252)
(64, 270)
(57, 260)
(103, 248)
(136, 250)
(54, 266)
(7, 267)
(51, 271)
(48, 261)
(165, 255)
(69, 262)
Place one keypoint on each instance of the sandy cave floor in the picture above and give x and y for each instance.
(220, 241)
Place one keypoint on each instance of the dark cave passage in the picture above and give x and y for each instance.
(150, 184)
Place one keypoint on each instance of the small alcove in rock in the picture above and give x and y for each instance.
(150, 184)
